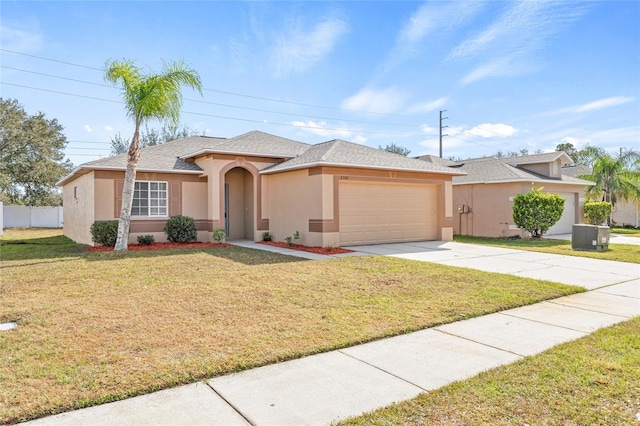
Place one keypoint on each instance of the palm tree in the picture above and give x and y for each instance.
(616, 178)
(146, 97)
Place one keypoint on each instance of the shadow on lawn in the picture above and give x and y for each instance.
(46, 249)
(246, 256)
(39, 248)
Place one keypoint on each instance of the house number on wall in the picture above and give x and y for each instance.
(344, 177)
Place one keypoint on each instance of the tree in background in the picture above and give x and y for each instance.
(396, 149)
(585, 156)
(31, 156)
(151, 137)
(616, 178)
(146, 97)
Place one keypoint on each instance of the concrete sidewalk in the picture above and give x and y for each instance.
(328, 387)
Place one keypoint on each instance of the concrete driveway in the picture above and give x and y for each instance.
(581, 271)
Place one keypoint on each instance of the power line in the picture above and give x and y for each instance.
(205, 89)
(214, 103)
(52, 60)
(303, 126)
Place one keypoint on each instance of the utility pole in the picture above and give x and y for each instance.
(442, 127)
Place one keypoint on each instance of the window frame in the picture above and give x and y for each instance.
(149, 199)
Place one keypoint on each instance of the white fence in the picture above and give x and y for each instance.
(31, 217)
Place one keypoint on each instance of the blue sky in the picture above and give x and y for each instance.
(510, 75)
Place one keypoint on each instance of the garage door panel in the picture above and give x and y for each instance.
(376, 213)
(565, 224)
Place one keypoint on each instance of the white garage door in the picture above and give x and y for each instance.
(384, 213)
(564, 225)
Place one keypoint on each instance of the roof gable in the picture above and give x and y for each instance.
(502, 170)
(254, 143)
(348, 154)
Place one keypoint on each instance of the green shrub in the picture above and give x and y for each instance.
(536, 212)
(266, 236)
(105, 232)
(219, 235)
(146, 240)
(595, 213)
(181, 229)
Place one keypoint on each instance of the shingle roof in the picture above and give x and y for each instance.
(436, 160)
(576, 170)
(171, 157)
(348, 154)
(254, 143)
(497, 170)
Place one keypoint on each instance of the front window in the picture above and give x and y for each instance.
(149, 199)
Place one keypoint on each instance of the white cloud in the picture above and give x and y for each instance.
(297, 49)
(505, 47)
(376, 101)
(21, 40)
(429, 130)
(108, 128)
(488, 130)
(427, 106)
(594, 106)
(604, 103)
(322, 129)
(87, 128)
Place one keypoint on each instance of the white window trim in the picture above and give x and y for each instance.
(166, 183)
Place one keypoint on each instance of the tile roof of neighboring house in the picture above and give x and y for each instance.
(348, 154)
(505, 169)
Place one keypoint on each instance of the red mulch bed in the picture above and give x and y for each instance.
(316, 250)
(162, 246)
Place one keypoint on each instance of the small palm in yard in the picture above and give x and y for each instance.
(146, 97)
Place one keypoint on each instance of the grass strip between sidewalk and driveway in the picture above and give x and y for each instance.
(619, 252)
(98, 327)
(590, 381)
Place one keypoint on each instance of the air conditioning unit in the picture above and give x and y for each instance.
(590, 237)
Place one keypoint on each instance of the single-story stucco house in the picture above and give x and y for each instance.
(335, 193)
(483, 198)
(625, 212)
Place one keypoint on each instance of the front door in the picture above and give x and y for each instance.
(239, 204)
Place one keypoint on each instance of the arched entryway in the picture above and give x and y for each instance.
(238, 204)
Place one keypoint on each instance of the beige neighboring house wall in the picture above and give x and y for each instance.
(625, 213)
(490, 206)
(79, 212)
(483, 198)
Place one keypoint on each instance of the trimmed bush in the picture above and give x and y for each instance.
(536, 212)
(105, 232)
(146, 240)
(266, 236)
(595, 213)
(181, 229)
(219, 235)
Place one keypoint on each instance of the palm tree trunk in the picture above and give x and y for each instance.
(127, 192)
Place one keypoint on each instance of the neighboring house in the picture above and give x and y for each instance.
(335, 193)
(625, 212)
(483, 198)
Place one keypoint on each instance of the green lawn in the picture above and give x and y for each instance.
(590, 381)
(626, 232)
(97, 327)
(619, 252)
